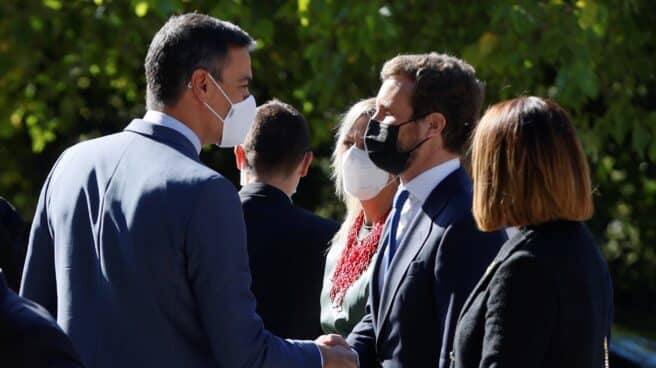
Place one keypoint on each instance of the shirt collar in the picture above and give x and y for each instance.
(423, 184)
(160, 118)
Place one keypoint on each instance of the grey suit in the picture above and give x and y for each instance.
(139, 250)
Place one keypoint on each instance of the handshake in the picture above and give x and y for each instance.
(336, 352)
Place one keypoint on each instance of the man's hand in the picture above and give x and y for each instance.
(332, 340)
(336, 352)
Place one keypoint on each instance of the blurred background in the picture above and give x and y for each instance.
(73, 70)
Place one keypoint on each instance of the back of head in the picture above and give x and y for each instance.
(443, 84)
(528, 166)
(277, 140)
(185, 43)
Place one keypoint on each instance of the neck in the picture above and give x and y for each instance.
(186, 116)
(286, 185)
(419, 165)
(376, 209)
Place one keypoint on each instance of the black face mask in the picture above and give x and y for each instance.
(381, 143)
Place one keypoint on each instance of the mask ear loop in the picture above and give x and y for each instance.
(393, 178)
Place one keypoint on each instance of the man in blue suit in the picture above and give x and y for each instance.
(137, 248)
(432, 254)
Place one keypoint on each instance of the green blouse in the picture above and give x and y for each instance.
(341, 319)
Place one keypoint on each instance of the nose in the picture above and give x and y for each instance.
(377, 115)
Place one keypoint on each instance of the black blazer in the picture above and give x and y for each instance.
(410, 322)
(29, 336)
(546, 301)
(287, 249)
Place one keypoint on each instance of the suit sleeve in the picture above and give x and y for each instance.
(521, 311)
(38, 281)
(363, 339)
(462, 257)
(219, 275)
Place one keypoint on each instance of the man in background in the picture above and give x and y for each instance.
(286, 244)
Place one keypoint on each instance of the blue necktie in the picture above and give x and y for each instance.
(396, 217)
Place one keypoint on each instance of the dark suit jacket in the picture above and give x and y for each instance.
(411, 321)
(139, 250)
(29, 337)
(13, 243)
(287, 250)
(546, 301)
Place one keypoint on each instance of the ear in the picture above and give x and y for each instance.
(305, 164)
(240, 157)
(199, 84)
(436, 124)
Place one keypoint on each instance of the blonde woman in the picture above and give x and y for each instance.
(367, 192)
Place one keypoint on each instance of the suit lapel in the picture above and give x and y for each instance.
(377, 276)
(506, 250)
(164, 135)
(411, 245)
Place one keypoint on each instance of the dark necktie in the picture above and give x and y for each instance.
(396, 217)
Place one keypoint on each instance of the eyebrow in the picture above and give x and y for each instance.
(246, 79)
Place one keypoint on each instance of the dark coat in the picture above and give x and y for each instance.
(546, 301)
(410, 321)
(29, 336)
(13, 243)
(287, 249)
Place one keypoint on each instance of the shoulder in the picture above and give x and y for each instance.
(323, 224)
(22, 317)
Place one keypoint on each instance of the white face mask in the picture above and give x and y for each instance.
(238, 120)
(361, 178)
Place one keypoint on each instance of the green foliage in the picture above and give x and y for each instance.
(72, 70)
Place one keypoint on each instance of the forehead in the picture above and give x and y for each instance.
(395, 93)
(237, 64)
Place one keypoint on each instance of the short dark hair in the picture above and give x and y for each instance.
(185, 43)
(278, 139)
(443, 84)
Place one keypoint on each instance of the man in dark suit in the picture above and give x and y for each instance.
(286, 244)
(29, 337)
(138, 248)
(432, 254)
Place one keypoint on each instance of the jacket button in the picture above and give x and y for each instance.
(452, 356)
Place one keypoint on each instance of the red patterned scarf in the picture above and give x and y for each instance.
(355, 258)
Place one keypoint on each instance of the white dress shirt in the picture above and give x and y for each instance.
(420, 188)
(160, 118)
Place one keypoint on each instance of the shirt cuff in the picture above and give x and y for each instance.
(357, 356)
(321, 355)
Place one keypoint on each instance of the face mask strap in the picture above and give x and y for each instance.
(214, 112)
(219, 87)
(417, 145)
(392, 180)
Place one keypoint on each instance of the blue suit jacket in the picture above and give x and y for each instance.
(139, 250)
(413, 309)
